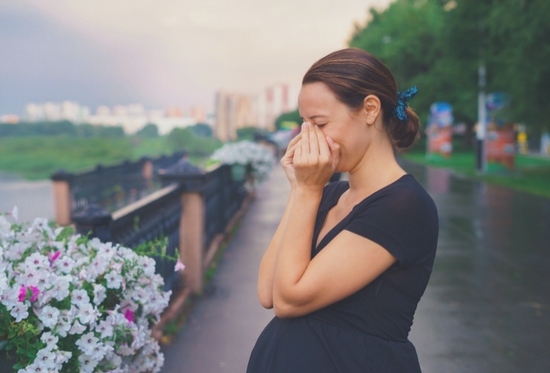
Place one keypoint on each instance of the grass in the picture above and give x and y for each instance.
(531, 173)
(36, 158)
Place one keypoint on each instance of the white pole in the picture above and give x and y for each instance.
(481, 134)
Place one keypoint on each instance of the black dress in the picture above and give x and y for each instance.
(367, 331)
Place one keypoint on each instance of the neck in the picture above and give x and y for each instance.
(377, 169)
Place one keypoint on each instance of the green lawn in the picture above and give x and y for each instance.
(532, 173)
(36, 158)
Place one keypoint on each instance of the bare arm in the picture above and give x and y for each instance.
(344, 266)
(267, 265)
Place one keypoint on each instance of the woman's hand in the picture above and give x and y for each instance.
(287, 160)
(315, 158)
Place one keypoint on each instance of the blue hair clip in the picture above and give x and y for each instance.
(403, 101)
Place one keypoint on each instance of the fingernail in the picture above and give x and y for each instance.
(304, 125)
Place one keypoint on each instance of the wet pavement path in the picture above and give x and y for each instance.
(486, 309)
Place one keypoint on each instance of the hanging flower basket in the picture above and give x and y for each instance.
(238, 172)
(256, 160)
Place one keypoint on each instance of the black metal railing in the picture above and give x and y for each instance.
(116, 186)
(158, 214)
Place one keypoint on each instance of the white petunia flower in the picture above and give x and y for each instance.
(147, 265)
(77, 328)
(100, 293)
(87, 363)
(114, 280)
(79, 298)
(61, 287)
(46, 358)
(15, 213)
(87, 343)
(20, 311)
(87, 314)
(105, 328)
(65, 264)
(50, 340)
(62, 357)
(5, 225)
(37, 260)
(49, 316)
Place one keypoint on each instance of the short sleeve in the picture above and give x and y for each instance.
(402, 219)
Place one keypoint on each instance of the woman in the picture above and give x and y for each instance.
(349, 261)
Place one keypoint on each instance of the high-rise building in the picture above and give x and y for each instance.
(275, 100)
(233, 111)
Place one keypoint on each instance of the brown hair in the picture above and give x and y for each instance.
(353, 74)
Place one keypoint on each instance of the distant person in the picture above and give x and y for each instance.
(349, 262)
(184, 166)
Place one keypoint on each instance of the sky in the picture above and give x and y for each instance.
(163, 52)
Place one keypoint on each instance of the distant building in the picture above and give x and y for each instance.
(198, 113)
(131, 117)
(50, 111)
(233, 111)
(275, 100)
(10, 119)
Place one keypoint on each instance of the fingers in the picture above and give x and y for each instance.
(313, 141)
(324, 149)
(295, 140)
(305, 143)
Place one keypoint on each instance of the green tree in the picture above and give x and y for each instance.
(185, 139)
(202, 129)
(518, 34)
(250, 133)
(149, 131)
(292, 116)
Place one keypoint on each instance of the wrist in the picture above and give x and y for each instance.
(308, 193)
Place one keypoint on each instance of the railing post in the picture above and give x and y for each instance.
(62, 197)
(192, 238)
(147, 171)
(96, 220)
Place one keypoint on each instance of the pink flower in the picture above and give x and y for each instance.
(129, 314)
(35, 293)
(22, 293)
(53, 257)
(24, 290)
(179, 266)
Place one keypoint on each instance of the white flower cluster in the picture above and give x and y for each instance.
(246, 153)
(104, 296)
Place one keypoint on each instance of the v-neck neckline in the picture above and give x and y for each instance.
(316, 247)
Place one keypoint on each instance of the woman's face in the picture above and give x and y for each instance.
(319, 106)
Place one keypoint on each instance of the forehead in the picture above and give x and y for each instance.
(316, 99)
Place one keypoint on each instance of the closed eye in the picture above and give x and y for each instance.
(321, 125)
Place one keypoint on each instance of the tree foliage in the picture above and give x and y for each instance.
(150, 131)
(438, 45)
(292, 116)
(186, 139)
(58, 128)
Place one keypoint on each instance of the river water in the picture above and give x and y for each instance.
(32, 198)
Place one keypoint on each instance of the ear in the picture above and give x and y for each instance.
(371, 108)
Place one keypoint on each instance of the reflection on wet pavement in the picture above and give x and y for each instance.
(487, 307)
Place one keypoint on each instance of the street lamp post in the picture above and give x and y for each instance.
(481, 158)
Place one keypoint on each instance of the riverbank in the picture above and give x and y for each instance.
(531, 173)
